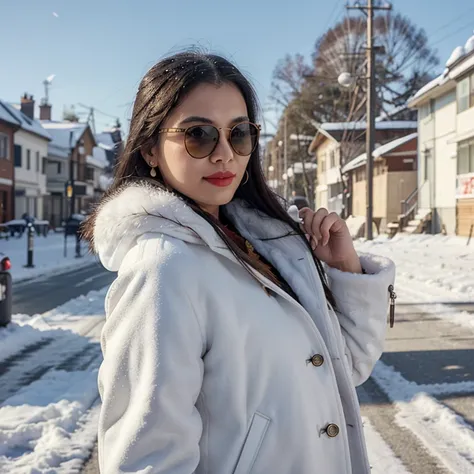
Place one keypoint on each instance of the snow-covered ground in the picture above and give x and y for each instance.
(49, 425)
(432, 271)
(48, 255)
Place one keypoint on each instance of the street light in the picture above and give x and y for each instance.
(346, 80)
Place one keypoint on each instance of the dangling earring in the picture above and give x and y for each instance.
(152, 170)
(246, 179)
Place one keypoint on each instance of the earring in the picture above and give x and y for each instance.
(246, 179)
(152, 170)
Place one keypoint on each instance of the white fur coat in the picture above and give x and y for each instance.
(206, 373)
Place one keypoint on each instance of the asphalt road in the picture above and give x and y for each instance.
(45, 293)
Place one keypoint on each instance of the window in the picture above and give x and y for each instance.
(90, 174)
(463, 95)
(332, 159)
(59, 167)
(428, 109)
(466, 157)
(44, 165)
(37, 161)
(4, 142)
(28, 159)
(17, 156)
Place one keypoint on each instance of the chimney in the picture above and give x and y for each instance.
(45, 110)
(28, 106)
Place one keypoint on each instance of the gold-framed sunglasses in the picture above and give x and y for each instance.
(200, 141)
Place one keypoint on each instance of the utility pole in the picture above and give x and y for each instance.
(370, 134)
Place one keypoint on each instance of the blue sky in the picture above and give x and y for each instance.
(100, 49)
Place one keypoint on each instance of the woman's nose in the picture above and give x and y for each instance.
(223, 151)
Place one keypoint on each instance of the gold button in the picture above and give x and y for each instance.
(317, 360)
(332, 430)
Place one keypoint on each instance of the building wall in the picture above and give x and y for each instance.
(437, 169)
(328, 171)
(30, 183)
(7, 177)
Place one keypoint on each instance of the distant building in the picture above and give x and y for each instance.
(31, 148)
(446, 144)
(8, 127)
(395, 179)
(335, 145)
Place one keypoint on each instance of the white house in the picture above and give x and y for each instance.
(446, 144)
(31, 148)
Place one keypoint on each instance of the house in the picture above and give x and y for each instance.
(67, 160)
(395, 179)
(334, 145)
(110, 140)
(446, 144)
(8, 127)
(31, 148)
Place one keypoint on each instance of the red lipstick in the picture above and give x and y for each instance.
(221, 179)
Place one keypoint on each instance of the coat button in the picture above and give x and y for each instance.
(317, 360)
(332, 430)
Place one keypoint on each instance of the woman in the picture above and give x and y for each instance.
(226, 351)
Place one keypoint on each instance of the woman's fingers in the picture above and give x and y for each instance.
(326, 226)
(312, 223)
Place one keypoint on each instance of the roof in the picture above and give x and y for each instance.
(381, 125)
(458, 54)
(61, 135)
(105, 141)
(99, 158)
(19, 118)
(379, 151)
(5, 116)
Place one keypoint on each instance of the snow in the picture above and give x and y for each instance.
(48, 256)
(381, 457)
(5, 116)
(27, 124)
(50, 425)
(444, 433)
(456, 55)
(432, 271)
(105, 182)
(469, 46)
(379, 151)
(61, 133)
(105, 141)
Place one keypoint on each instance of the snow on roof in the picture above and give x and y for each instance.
(6, 116)
(380, 151)
(99, 158)
(381, 125)
(105, 141)
(458, 53)
(61, 133)
(27, 124)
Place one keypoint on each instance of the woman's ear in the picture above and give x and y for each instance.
(148, 155)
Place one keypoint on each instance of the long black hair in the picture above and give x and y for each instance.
(164, 86)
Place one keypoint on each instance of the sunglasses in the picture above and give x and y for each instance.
(200, 141)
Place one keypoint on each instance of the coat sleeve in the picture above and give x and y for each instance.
(151, 375)
(362, 307)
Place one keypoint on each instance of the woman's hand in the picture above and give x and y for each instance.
(330, 239)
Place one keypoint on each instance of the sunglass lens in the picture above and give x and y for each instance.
(243, 138)
(201, 140)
